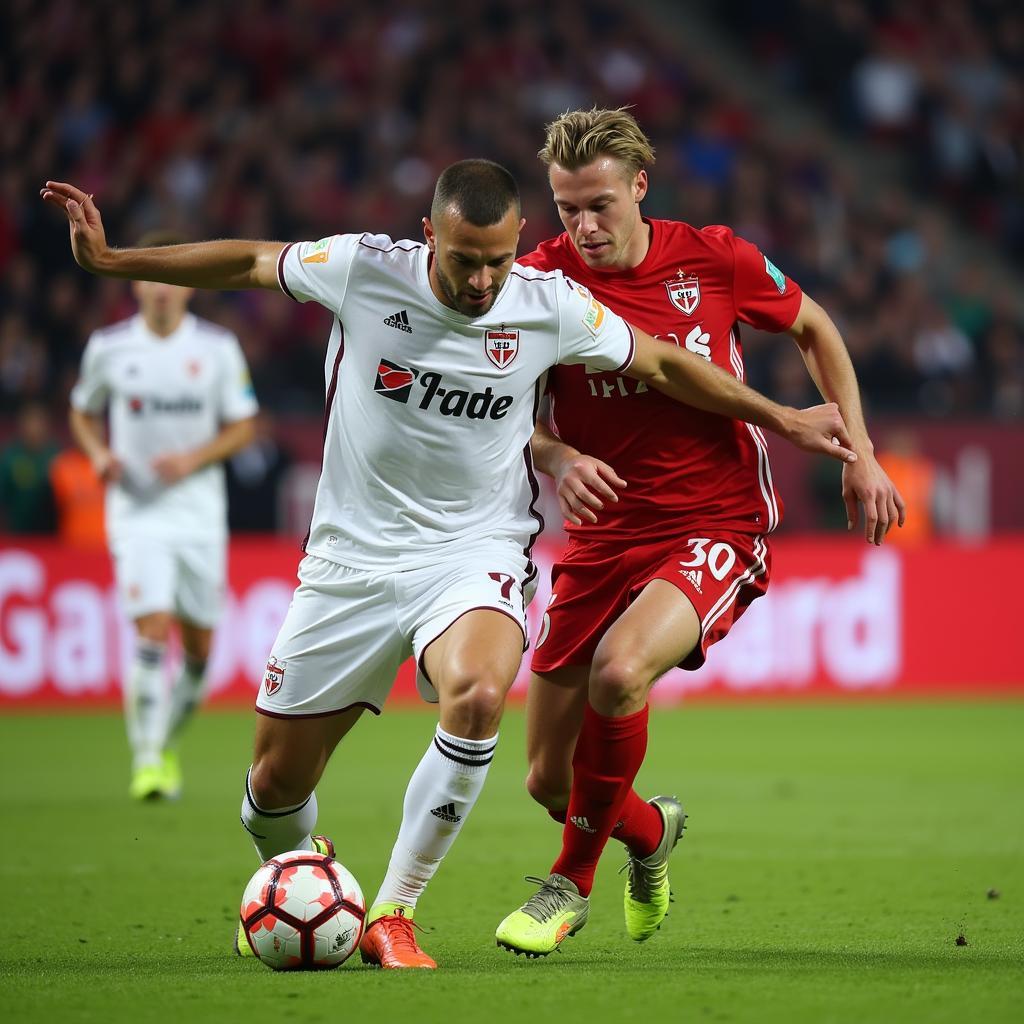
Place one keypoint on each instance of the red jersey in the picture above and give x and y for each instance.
(685, 468)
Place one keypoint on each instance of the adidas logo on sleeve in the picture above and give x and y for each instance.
(399, 320)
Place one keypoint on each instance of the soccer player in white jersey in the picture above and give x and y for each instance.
(180, 402)
(425, 511)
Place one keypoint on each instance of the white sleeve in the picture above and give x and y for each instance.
(91, 391)
(237, 396)
(589, 332)
(317, 271)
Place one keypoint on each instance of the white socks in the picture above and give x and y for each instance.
(186, 695)
(441, 793)
(144, 703)
(280, 830)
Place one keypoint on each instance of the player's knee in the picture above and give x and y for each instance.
(475, 710)
(273, 784)
(617, 682)
(154, 629)
(547, 788)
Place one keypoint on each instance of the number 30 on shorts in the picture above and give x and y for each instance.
(719, 558)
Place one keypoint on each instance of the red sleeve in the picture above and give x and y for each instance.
(764, 297)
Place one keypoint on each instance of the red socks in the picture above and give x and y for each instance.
(608, 756)
(640, 826)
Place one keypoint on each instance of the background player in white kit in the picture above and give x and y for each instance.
(180, 402)
(424, 515)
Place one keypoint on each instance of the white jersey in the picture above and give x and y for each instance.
(166, 395)
(429, 412)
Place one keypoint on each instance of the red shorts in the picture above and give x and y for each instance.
(595, 582)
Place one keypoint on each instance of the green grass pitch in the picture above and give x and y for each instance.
(834, 855)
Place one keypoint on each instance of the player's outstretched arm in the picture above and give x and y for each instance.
(688, 378)
(583, 484)
(219, 265)
(828, 362)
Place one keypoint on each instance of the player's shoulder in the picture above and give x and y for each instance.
(110, 335)
(533, 275)
(535, 284)
(553, 254)
(213, 333)
(711, 238)
(383, 248)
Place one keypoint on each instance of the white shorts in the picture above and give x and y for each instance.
(186, 579)
(348, 630)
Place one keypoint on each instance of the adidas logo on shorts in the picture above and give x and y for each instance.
(446, 812)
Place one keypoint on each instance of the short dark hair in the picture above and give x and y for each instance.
(157, 238)
(479, 191)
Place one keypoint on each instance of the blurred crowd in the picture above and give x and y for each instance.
(290, 121)
(942, 82)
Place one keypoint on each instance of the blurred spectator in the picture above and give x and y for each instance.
(254, 476)
(26, 500)
(78, 494)
(913, 475)
(885, 86)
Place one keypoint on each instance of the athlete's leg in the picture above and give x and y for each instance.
(655, 633)
(144, 693)
(187, 689)
(289, 755)
(555, 703)
(471, 665)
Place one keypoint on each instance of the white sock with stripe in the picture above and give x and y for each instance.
(441, 793)
(281, 829)
(145, 703)
(186, 695)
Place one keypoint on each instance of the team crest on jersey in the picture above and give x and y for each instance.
(501, 346)
(274, 676)
(684, 293)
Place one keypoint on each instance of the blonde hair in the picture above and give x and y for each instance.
(579, 137)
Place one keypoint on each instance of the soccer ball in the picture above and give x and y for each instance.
(303, 911)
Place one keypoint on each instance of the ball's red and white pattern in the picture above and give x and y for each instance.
(303, 911)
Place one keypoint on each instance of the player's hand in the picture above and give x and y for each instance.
(867, 483)
(821, 430)
(174, 466)
(583, 485)
(88, 239)
(108, 467)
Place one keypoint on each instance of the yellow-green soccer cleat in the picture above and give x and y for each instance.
(170, 771)
(147, 783)
(648, 893)
(553, 913)
(240, 944)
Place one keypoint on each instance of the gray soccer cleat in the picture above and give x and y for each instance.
(648, 892)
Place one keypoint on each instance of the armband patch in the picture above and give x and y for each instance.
(317, 252)
(594, 316)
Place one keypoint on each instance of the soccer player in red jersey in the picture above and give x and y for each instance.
(669, 510)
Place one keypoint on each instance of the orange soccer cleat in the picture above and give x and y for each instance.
(390, 942)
